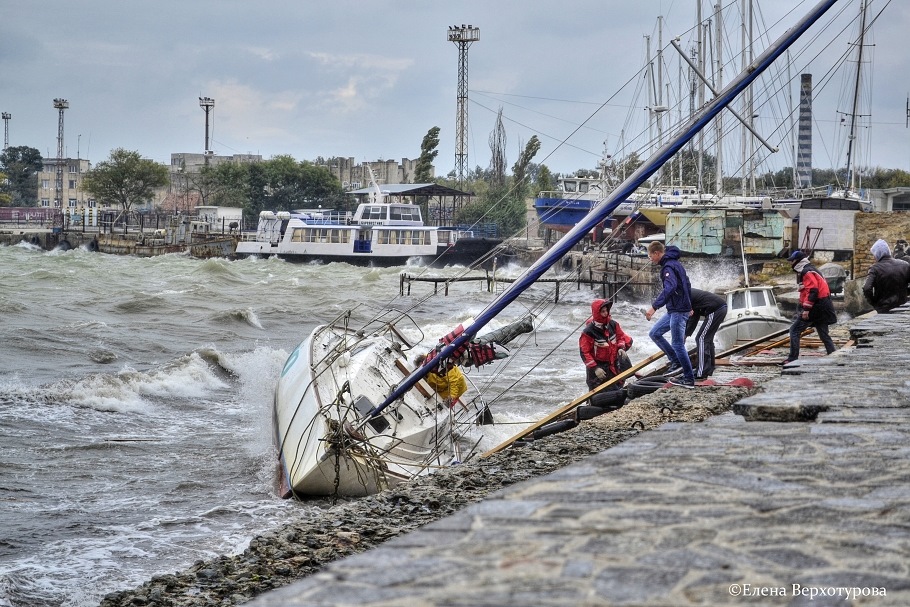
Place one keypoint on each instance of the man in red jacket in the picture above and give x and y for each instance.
(815, 307)
(602, 345)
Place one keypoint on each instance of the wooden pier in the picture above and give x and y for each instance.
(608, 283)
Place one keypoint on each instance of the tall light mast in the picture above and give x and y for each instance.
(6, 117)
(462, 37)
(61, 105)
(207, 104)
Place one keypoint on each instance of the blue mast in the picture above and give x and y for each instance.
(603, 209)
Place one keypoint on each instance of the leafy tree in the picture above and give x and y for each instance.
(230, 184)
(21, 164)
(428, 153)
(4, 197)
(125, 179)
(520, 169)
(498, 152)
(545, 179)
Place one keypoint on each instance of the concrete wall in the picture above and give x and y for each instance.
(869, 227)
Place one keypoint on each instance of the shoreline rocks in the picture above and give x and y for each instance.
(320, 536)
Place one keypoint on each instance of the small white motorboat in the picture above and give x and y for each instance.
(752, 313)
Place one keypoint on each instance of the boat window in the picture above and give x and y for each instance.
(739, 300)
(405, 213)
(583, 186)
(758, 298)
(374, 213)
(569, 186)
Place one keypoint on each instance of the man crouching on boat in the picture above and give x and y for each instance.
(447, 381)
(602, 345)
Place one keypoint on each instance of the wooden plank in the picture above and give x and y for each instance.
(575, 403)
(419, 385)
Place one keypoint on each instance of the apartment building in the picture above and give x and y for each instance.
(72, 196)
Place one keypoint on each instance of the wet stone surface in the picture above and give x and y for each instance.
(276, 559)
(722, 512)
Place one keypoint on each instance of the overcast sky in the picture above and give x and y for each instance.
(368, 78)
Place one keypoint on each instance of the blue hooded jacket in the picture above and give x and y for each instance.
(676, 293)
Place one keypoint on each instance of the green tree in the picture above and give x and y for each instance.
(4, 197)
(545, 179)
(428, 153)
(498, 152)
(520, 179)
(228, 184)
(125, 179)
(21, 164)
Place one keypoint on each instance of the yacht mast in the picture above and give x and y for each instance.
(851, 138)
(719, 85)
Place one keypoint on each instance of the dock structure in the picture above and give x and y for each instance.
(608, 283)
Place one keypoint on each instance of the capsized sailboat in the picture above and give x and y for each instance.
(334, 378)
(334, 434)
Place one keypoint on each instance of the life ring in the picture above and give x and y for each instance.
(93, 245)
(553, 428)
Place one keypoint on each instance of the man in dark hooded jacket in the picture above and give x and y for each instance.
(602, 345)
(815, 307)
(676, 296)
(886, 285)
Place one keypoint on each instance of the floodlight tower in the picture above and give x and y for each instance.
(6, 117)
(61, 105)
(462, 37)
(206, 103)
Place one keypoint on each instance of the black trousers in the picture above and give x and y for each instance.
(704, 339)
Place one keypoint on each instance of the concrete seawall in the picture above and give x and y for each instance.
(808, 504)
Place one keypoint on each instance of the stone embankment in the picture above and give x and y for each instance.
(807, 504)
(318, 538)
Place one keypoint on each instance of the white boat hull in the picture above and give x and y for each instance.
(747, 328)
(326, 444)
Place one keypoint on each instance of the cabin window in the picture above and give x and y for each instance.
(758, 298)
(739, 300)
(583, 187)
(375, 213)
(569, 186)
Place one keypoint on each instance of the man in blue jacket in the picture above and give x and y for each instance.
(677, 297)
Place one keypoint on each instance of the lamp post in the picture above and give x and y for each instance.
(6, 118)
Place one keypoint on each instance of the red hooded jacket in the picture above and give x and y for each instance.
(602, 339)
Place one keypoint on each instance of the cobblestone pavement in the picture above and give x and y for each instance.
(801, 496)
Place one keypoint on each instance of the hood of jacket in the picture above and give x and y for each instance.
(595, 311)
(671, 252)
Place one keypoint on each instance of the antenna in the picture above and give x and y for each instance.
(6, 117)
(207, 104)
(61, 105)
(462, 36)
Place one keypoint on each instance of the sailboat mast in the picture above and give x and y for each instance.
(851, 174)
(719, 124)
(603, 208)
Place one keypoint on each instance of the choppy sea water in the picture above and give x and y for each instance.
(135, 395)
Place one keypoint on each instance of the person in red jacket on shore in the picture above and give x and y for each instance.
(602, 345)
(815, 307)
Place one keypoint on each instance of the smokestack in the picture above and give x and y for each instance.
(804, 134)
